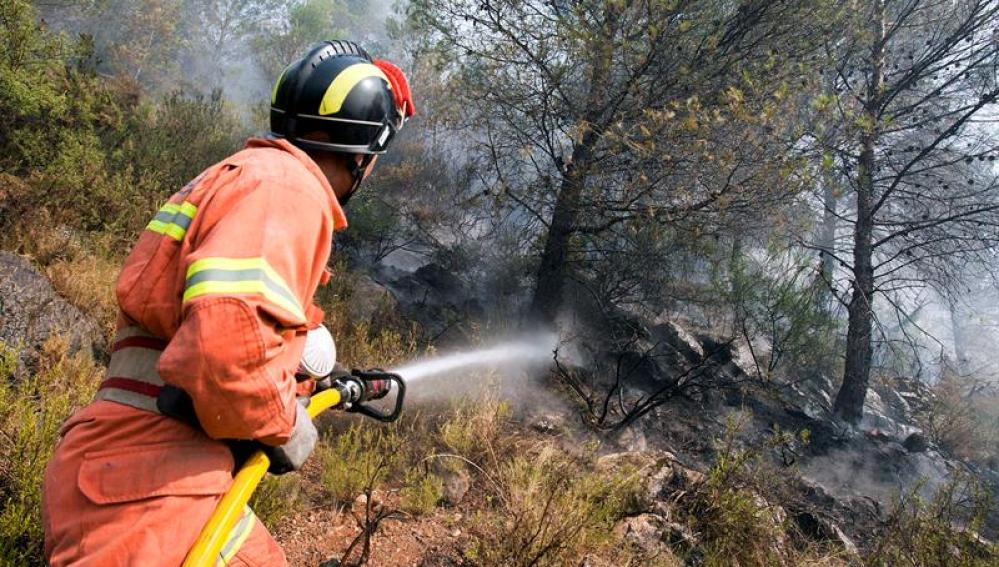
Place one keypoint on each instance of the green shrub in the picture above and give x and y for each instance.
(31, 413)
(963, 424)
(474, 428)
(276, 498)
(779, 300)
(95, 154)
(421, 492)
(549, 510)
(363, 455)
(939, 531)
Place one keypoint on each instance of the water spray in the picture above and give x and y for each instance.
(530, 350)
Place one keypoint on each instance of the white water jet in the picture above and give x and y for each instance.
(528, 350)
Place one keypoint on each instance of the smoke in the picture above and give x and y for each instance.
(856, 472)
(198, 47)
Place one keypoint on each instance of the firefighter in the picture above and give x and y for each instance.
(216, 307)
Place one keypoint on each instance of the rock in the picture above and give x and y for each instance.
(654, 534)
(455, 480)
(361, 502)
(679, 339)
(439, 302)
(822, 529)
(685, 478)
(549, 424)
(679, 535)
(916, 443)
(630, 459)
(772, 514)
(644, 532)
(633, 439)
(658, 471)
(369, 300)
(31, 311)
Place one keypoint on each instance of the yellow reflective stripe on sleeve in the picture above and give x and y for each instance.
(173, 220)
(240, 533)
(222, 276)
(344, 83)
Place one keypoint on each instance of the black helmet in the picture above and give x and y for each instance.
(335, 99)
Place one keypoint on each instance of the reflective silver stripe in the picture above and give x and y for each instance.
(347, 120)
(136, 363)
(127, 398)
(133, 363)
(250, 274)
(237, 537)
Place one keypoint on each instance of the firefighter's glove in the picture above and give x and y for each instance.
(292, 455)
(174, 402)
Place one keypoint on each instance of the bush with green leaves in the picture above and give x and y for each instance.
(779, 301)
(95, 153)
(939, 530)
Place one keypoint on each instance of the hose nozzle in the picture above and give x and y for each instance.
(367, 385)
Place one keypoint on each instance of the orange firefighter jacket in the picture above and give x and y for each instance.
(227, 271)
(215, 298)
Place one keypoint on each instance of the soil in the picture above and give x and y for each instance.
(320, 536)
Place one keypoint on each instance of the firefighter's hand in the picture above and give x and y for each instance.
(326, 382)
(292, 455)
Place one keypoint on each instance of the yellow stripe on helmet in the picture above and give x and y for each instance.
(277, 84)
(344, 83)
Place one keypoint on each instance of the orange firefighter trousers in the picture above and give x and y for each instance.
(215, 298)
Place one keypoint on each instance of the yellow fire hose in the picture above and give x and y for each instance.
(205, 552)
(348, 393)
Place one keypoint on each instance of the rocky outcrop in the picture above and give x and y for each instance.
(654, 535)
(455, 480)
(370, 302)
(441, 303)
(31, 311)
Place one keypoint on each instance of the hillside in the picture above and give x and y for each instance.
(721, 276)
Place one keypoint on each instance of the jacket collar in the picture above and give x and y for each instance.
(339, 217)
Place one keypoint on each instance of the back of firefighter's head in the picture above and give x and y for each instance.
(341, 107)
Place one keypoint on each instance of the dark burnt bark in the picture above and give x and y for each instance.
(827, 232)
(850, 400)
(849, 403)
(554, 269)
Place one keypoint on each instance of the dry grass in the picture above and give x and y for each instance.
(31, 413)
(276, 498)
(82, 271)
(549, 509)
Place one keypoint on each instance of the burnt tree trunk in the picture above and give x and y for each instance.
(849, 403)
(554, 269)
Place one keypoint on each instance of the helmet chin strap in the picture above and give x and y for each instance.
(357, 172)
